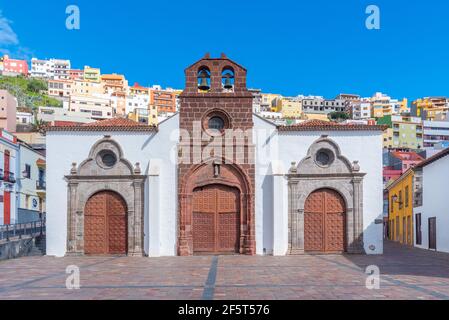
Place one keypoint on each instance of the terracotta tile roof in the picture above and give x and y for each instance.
(403, 155)
(313, 125)
(115, 124)
(112, 76)
(433, 158)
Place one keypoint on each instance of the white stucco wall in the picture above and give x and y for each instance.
(288, 147)
(156, 152)
(435, 191)
(149, 149)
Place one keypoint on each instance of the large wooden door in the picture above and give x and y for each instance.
(324, 222)
(105, 224)
(216, 220)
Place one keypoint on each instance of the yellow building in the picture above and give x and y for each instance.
(400, 211)
(87, 88)
(388, 138)
(92, 74)
(383, 105)
(291, 108)
(315, 116)
(432, 106)
(271, 102)
(146, 116)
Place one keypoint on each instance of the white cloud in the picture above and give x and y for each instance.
(7, 34)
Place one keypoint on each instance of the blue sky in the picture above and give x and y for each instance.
(290, 47)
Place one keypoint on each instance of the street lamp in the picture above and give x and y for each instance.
(396, 199)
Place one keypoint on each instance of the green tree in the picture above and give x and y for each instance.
(36, 86)
(338, 116)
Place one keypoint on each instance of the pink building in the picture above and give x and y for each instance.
(8, 111)
(406, 160)
(76, 74)
(14, 67)
(390, 174)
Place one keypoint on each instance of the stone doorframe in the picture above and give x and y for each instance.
(216, 172)
(339, 175)
(91, 177)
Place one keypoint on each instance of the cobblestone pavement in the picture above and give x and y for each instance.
(406, 273)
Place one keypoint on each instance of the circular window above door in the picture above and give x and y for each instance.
(106, 159)
(324, 157)
(216, 122)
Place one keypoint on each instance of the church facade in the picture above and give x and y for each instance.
(214, 179)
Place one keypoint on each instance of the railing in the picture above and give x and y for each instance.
(9, 176)
(41, 185)
(19, 230)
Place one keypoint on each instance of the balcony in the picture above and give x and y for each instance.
(41, 185)
(7, 176)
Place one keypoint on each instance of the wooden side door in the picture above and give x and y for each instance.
(433, 233)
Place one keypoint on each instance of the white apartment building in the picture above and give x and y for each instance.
(435, 132)
(60, 88)
(360, 110)
(56, 115)
(319, 105)
(56, 69)
(95, 107)
(140, 101)
(24, 118)
(31, 184)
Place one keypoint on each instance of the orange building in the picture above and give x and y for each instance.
(137, 89)
(114, 83)
(164, 100)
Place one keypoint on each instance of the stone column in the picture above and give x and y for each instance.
(183, 241)
(296, 221)
(72, 247)
(136, 247)
(358, 215)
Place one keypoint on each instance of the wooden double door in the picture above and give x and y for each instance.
(216, 220)
(325, 222)
(105, 224)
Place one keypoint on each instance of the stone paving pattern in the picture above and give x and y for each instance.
(406, 273)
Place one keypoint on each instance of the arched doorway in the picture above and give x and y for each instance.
(216, 220)
(105, 224)
(325, 222)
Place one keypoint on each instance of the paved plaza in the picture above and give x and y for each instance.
(406, 273)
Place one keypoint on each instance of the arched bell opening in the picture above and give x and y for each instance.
(203, 79)
(227, 79)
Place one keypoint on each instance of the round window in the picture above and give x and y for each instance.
(108, 158)
(216, 123)
(324, 157)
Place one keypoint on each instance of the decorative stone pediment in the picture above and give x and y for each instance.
(105, 158)
(324, 158)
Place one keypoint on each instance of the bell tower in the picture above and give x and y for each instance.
(216, 160)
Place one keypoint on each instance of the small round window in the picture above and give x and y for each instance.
(216, 123)
(324, 157)
(108, 158)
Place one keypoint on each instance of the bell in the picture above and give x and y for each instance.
(228, 83)
(204, 85)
